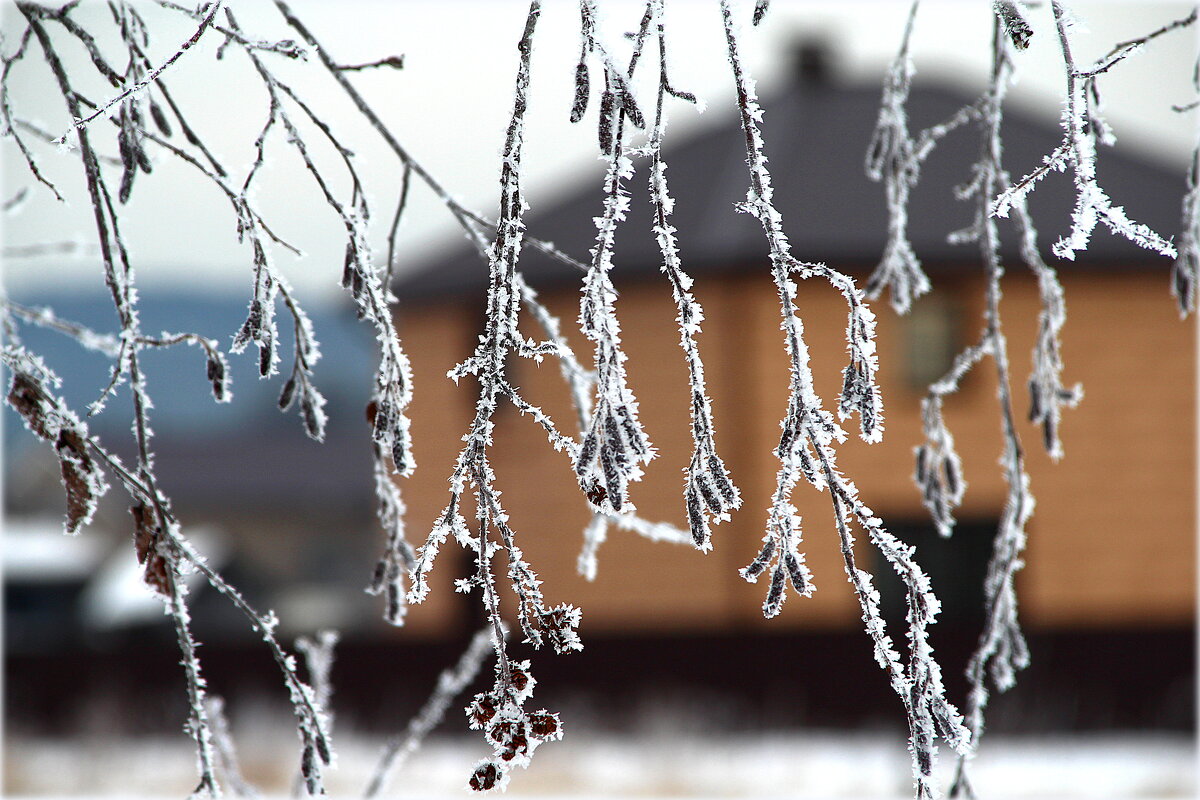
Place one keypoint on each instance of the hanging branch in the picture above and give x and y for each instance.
(513, 732)
(890, 159)
(311, 727)
(209, 11)
(6, 114)
(160, 546)
(318, 662)
(806, 450)
(368, 288)
(260, 326)
(581, 384)
(216, 367)
(615, 446)
(118, 276)
(450, 684)
(227, 761)
(1001, 650)
(708, 489)
(1187, 264)
(468, 220)
(398, 559)
(895, 158)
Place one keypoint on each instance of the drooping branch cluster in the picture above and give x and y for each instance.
(157, 544)
(895, 158)
(512, 731)
(938, 468)
(165, 556)
(807, 451)
(1001, 650)
(612, 448)
(141, 123)
(137, 106)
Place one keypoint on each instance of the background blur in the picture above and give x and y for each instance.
(676, 650)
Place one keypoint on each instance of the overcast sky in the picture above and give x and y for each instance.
(449, 106)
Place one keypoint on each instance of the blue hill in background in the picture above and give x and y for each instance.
(242, 451)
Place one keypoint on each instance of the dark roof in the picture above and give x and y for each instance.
(816, 136)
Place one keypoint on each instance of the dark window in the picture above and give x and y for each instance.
(932, 338)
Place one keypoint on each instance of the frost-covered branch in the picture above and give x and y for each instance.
(227, 760)
(1001, 650)
(208, 12)
(450, 684)
(1187, 263)
(938, 474)
(1082, 127)
(708, 489)
(1184, 272)
(164, 553)
(581, 383)
(895, 158)
(145, 120)
(807, 451)
(216, 366)
(164, 565)
(615, 447)
(512, 731)
(473, 224)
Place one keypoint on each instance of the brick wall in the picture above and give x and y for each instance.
(1113, 536)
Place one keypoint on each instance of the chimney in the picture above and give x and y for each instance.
(812, 63)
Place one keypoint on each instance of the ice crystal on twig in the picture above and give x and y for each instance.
(513, 732)
(1011, 14)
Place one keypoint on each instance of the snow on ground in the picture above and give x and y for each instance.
(808, 766)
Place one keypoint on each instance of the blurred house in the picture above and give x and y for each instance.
(1108, 592)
